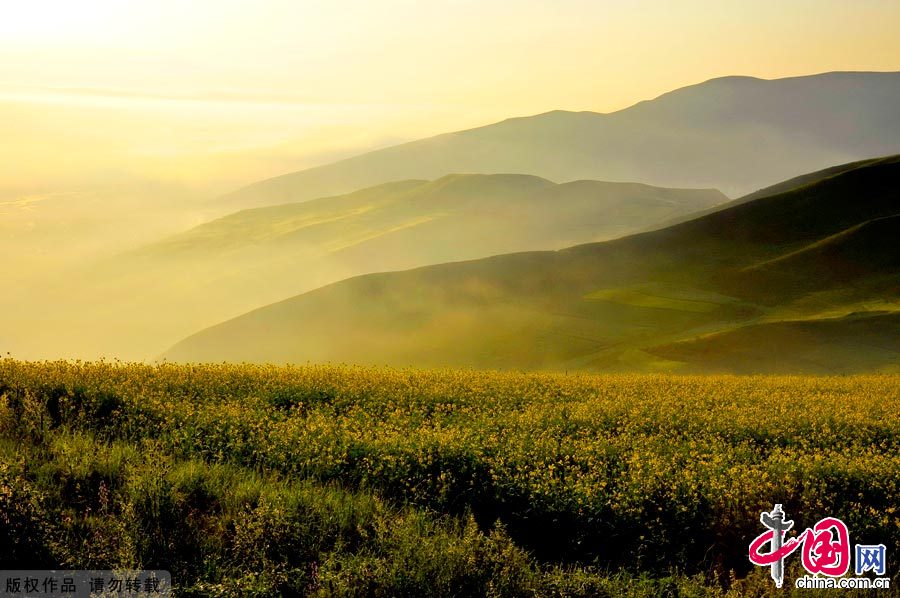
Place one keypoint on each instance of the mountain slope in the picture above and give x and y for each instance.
(705, 135)
(412, 223)
(614, 305)
(135, 305)
(855, 342)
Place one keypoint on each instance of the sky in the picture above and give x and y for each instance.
(213, 94)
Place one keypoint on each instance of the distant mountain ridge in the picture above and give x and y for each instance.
(736, 134)
(813, 268)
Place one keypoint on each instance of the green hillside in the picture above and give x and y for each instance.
(138, 304)
(817, 252)
(736, 134)
(856, 342)
(455, 217)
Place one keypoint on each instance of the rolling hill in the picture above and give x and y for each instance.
(414, 222)
(812, 264)
(136, 305)
(736, 134)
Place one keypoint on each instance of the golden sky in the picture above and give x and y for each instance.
(217, 93)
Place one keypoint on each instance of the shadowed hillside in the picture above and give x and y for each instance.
(856, 342)
(736, 134)
(817, 252)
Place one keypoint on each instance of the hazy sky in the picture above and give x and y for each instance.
(216, 93)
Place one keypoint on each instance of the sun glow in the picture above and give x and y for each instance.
(298, 81)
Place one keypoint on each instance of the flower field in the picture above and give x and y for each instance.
(260, 480)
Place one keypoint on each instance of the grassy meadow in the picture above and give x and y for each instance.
(337, 480)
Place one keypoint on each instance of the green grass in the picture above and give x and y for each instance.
(352, 481)
(866, 341)
(660, 297)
